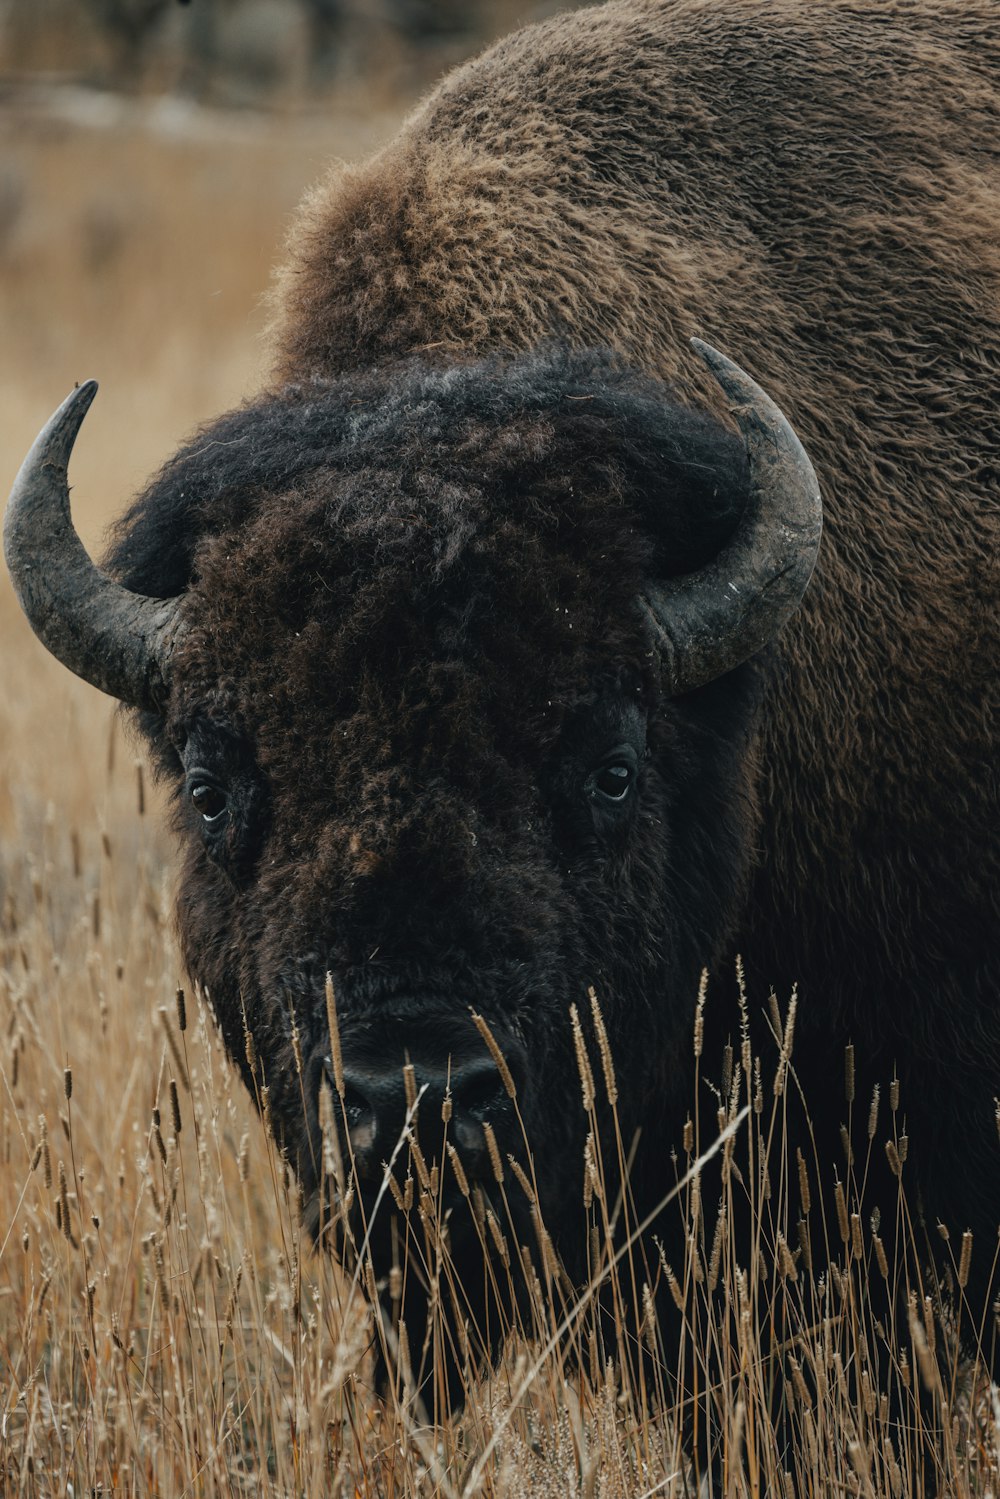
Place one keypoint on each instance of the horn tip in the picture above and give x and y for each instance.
(59, 433)
(83, 393)
(63, 427)
(717, 363)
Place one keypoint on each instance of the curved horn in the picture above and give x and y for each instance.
(708, 622)
(117, 640)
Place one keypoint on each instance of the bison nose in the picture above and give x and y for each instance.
(455, 1102)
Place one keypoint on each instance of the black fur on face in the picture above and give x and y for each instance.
(416, 728)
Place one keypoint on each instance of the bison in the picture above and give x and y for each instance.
(470, 646)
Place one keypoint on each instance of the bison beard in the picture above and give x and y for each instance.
(411, 580)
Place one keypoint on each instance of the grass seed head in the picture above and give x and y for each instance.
(494, 1153)
(699, 1014)
(419, 1160)
(296, 1044)
(456, 1165)
(63, 1204)
(499, 1060)
(521, 1177)
(787, 1041)
(842, 1218)
(805, 1197)
(676, 1289)
(727, 1070)
(582, 1061)
(604, 1048)
(873, 1113)
(846, 1147)
(799, 1384)
(395, 1189)
(718, 1238)
(249, 1047)
(43, 1129)
(498, 1237)
(805, 1245)
(410, 1086)
(880, 1257)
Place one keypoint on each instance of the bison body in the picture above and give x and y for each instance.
(441, 760)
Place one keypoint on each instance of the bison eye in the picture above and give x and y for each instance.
(613, 780)
(210, 801)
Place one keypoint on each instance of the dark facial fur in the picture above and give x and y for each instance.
(413, 651)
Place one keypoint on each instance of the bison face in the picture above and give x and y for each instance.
(446, 779)
(455, 713)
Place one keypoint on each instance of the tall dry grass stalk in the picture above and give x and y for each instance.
(165, 1326)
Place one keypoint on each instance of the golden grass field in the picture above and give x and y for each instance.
(165, 1328)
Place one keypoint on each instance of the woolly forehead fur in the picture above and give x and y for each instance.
(504, 513)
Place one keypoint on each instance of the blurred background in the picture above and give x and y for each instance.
(249, 52)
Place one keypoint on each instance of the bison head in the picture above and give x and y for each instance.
(449, 671)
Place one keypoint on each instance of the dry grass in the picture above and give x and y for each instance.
(164, 1327)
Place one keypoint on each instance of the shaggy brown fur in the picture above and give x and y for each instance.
(375, 559)
(815, 189)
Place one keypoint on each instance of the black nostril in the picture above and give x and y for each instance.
(479, 1097)
(366, 1111)
(360, 1119)
(485, 1074)
(477, 1090)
